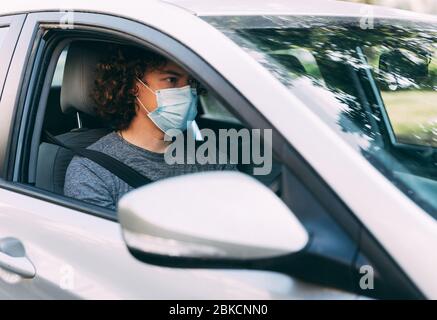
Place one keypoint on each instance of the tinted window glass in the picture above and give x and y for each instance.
(375, 87)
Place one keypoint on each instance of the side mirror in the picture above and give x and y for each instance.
(208, 219)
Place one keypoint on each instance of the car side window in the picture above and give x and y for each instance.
(399, 142)
(72, 122)
(214, 110)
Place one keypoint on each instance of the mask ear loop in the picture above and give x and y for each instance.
(142, 105)
(148, 113)
(145, 85)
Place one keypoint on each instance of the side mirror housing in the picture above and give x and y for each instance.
(208, 219)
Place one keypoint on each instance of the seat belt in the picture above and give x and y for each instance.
(118, 168)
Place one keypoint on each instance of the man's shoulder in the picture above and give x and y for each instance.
(82, 165)
(105, 143)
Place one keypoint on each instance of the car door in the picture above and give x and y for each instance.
(55, 248)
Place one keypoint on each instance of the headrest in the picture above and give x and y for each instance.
(79, 74)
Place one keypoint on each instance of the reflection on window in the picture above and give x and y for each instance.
(376, 88)
(408, 84)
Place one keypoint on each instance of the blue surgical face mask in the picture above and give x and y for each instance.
(176, 107)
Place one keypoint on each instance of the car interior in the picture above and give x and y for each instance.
(70, 117)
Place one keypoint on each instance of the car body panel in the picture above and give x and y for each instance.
(292, 7)
(132, 8)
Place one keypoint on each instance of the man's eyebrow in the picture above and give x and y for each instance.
(175, 73)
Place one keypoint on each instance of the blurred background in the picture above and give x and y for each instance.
(424, 6)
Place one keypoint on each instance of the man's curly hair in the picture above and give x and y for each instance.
(114, 89)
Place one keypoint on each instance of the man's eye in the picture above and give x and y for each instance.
(171, 80)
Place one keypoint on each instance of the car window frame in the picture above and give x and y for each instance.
(13, 23)
(231, 97)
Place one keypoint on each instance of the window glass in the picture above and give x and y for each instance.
(408, 82)
(213, 109)
(375, 87)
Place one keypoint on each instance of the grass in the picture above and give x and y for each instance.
(413, 115)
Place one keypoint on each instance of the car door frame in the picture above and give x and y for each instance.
(241, 107)
(14, 23)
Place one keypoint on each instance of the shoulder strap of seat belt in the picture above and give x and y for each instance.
(118, 168)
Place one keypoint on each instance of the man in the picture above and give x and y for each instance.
(142, 95)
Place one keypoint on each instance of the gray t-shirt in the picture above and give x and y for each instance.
(85, 180)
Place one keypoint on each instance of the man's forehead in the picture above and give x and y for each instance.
(172, 68)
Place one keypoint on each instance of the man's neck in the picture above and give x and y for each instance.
(145, 134)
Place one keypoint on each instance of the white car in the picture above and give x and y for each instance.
(348, 210)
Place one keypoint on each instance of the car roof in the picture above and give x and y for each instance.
(286, 7)
(219, 7)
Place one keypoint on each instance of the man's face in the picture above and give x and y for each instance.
(169, 76)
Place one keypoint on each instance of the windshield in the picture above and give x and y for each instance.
(375, 85)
